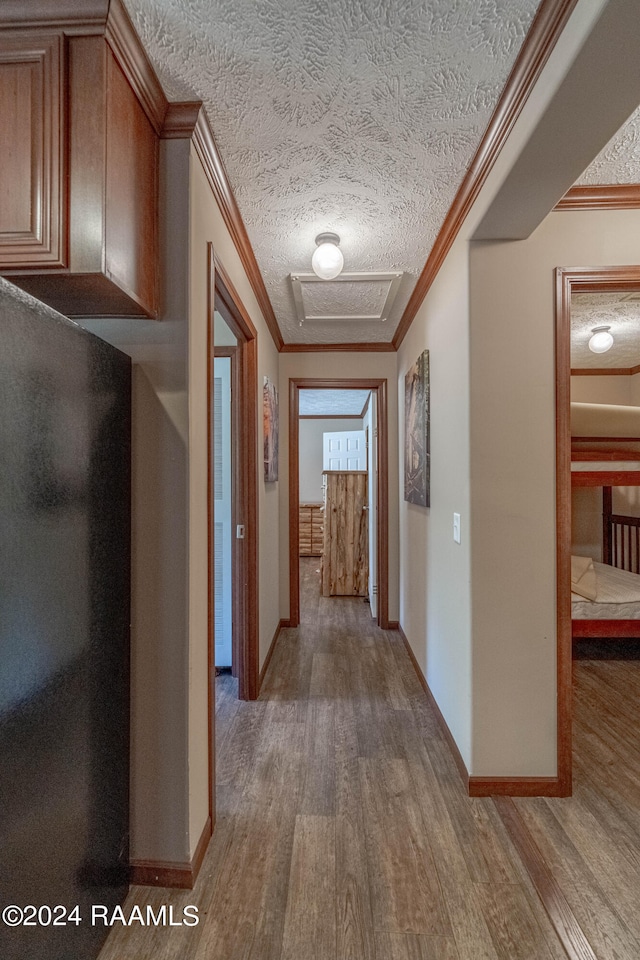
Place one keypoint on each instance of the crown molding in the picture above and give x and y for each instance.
(110, 19)
(607, 196)
(216, 174)
(545, 30)
(136, 66)
(180, 120)
(378, 347)
(72, 16)
(102, 18)
(189, 121)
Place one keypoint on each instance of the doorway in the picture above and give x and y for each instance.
(377, 486)
(571, 281)
(224, 372)
(238, 517)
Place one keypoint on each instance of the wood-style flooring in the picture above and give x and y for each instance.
(344, 831)
(591, 841)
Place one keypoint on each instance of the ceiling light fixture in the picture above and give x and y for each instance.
(601, 341)
(327, 260)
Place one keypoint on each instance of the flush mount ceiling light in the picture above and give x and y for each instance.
(601, 341)
(327, 260)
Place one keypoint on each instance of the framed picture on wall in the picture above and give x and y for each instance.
(416, 432)
(270, 426)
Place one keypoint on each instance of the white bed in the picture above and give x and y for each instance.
(617, 596)
(605, 453)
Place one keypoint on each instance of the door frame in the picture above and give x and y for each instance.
(224, 298)
(569, 280)
(379, 386)
(231, 353)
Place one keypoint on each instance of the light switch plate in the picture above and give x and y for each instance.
(456, 527)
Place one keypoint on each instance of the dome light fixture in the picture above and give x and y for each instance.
(327, 260)
(601, 341)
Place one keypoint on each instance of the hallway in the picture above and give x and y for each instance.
(342, 829)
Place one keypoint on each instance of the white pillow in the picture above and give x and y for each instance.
(583, 577)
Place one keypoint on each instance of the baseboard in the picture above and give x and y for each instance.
(516, 787)
(160, 873)
(442, 723)
(394, 625)
(487, 786)
(202, 847)
(267, 660)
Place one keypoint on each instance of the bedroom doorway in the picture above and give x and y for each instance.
(373, 420)
(233, 511)
(592, 460)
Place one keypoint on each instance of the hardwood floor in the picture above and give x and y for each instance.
(344, 832)
(591, 841)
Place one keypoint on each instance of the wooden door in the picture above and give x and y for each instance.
(345, 563)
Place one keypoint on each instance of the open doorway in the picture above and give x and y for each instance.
(233, 400)
(224, 497)
(363, 501)
(602, 452)
(334, 492)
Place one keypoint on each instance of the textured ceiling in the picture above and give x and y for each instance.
(619, 162)
(590, 310)
(332, 403)
(355, 116)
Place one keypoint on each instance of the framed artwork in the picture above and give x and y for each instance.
(270, 426)
(416, 432)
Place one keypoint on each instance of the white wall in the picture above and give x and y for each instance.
(435, 598)
(207, 224)
(480, 616)
(160, 827)
(606, 389)
(435, 574)
(626, 501)
(586, 522)
(310, 453)
(222, 335)
(586, 516)
(345, 365)
(512, 469)
(169, 738)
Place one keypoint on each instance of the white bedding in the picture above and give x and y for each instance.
(617, 596)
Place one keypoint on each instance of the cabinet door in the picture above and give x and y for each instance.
(32, 121)
(131, 193)
(79, 177)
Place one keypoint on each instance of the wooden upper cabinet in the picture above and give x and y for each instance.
(32, 120)
(81, 117)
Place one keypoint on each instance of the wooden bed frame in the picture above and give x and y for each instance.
(620, 536)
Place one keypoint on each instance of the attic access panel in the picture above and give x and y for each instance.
(372, 293)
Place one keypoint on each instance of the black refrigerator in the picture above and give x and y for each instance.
(65, 438)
